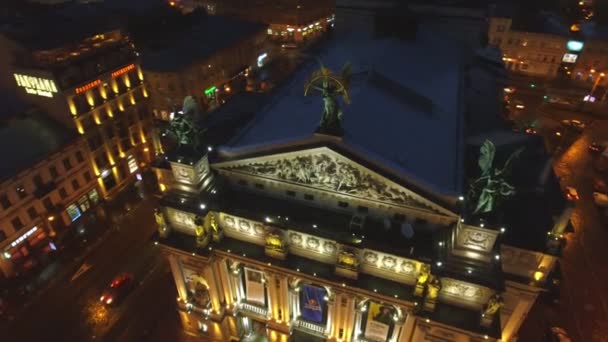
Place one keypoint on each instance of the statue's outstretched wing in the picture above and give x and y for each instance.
(486, 157)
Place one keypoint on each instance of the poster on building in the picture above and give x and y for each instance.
(379, 321)
(254, 286)
(313, 298)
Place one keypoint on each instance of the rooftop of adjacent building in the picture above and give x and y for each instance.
(194, 38)
(405, 112)
(27, 136)
(40, 27)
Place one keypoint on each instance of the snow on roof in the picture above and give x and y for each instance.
(405, 110)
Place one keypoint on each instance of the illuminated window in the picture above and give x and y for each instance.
(73, 212)
(21, 191)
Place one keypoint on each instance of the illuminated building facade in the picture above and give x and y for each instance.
(550, 53)
(86, 75)
(211, 71)
(289, 21)
(364, 236)
(46, 185)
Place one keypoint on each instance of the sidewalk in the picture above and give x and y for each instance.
(76, 242)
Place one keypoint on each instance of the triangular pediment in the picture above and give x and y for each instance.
(324, 169)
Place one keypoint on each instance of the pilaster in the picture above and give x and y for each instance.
(178, 277)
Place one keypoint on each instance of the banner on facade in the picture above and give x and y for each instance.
(379, 321)
(313, 299)
(254, 286)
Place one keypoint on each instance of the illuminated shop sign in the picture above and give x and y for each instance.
(569, 58)
(36, 85)
(24, 236)
(210, 91)
(574, 45)
(132, 164)
(123, 70)
(88, 86)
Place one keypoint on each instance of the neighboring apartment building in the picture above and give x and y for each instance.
(550, 48)
(289, 21)
(46, 183)
(197, 61)
(81, 67)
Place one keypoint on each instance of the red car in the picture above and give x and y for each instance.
(595, 148)
(120, 286)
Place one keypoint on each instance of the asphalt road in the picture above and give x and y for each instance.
(583, 306)
(69, 309)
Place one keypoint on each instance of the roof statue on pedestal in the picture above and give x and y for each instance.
(492, 186)
(184, 124)
(330, 87)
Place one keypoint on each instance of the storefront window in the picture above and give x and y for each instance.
(83, 204)
(94, 196)
(73, 212)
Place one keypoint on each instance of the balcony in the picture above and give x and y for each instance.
(315, 329)
(254, 310)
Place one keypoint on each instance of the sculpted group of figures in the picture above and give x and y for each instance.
(324, 171)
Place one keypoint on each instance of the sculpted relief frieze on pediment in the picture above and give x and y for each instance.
(327, 171)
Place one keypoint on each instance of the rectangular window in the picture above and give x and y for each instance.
(38, 180)
(291, 193)
(362, 209)
(17, 224)
(53, 172)
(32, 213)
(21, 191)
(342, 204)
(79, 156)
(309, 197)
(259, 186)
(6, 203)
(48, 204)
(63, 193)
(67, 164)
(87, 176)
(2, 235)
(75, 184)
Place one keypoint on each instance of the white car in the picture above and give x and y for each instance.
(600, 199)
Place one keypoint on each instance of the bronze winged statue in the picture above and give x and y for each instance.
(330, 86)
(492, 185)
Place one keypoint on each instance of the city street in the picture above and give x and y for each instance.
(583, 307)
(69, 309)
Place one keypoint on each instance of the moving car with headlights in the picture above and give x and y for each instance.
(571, 194)
(120, 286)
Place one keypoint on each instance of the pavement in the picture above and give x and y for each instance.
(583, 302)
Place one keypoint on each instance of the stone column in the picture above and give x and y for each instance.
(331, 314)
(178, 277)
(237, 284)
(226, 279)
(284, 296)
(214, 288)
(408, 328)
(273, 301)
(349, 319)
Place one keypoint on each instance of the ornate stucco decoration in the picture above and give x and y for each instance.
(323, 169)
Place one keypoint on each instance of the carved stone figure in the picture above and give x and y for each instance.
(324, 171)
(433, 288)
(274, 241)
(423, 278)
(492, 186)
(160, 222)
(348, 259)
(493, 305)
(330, 87)
(202, 238)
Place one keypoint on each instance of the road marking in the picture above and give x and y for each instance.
(85, 267)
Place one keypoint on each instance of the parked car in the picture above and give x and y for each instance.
(600, 199)
(595, 147)
(557, 334)
(571, 193)
(118, 289)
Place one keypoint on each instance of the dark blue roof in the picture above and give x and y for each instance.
(202, 40)
(26, 138)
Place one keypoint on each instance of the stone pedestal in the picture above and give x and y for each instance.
(191, 172)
